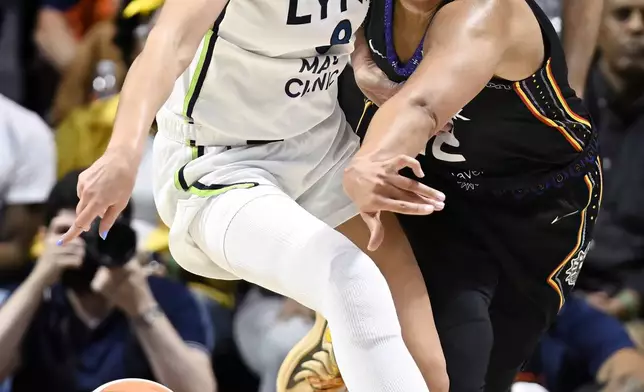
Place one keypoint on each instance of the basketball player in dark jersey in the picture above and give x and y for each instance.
(517, 161)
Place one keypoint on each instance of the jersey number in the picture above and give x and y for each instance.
(449, 139)
(341, 36)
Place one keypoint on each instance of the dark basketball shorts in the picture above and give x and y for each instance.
(498, 272)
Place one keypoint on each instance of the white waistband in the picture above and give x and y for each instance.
(177, 128)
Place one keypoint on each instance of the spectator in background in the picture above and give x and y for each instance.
(27, 173)
(11, 50)
(84, 109)
(74, 325)
(76, 89)
(577, 22)
(59, 28)
(62, 23)
(614, 269)
(585, 347)
(118, 41)
(266, 327)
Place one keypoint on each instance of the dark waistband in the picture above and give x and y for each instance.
(522, 187)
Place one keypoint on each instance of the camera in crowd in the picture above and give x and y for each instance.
(115, 250)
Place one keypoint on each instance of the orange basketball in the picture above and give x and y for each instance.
(132, 385)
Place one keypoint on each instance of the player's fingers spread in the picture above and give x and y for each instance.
(82, 204)
(419, 199)
(417, 188)
(101, 213)
(405, 207)
(82, 223)
(80, 188)
(368, 219)
(88, 197)
(397, 194)
(108, 220)
(85, 218)
(402, 161)
(72, 232)
(376, 229)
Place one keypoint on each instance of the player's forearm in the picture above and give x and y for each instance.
(581, 20)
(173, 362)
(147, 86)
(15, 316)
(446, 79)
(168, 51)
(398, 127)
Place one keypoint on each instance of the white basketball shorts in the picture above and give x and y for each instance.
(192, 165)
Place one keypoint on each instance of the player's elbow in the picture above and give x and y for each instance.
(423, 114)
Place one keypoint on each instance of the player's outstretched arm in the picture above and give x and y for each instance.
(463, 49)
(104, 189)
(168, 51)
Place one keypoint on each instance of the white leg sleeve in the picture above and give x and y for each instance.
(263, 236)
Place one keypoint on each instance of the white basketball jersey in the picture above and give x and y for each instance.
(268, 69)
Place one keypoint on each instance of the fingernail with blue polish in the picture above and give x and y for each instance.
(104, 235)
(59, 242)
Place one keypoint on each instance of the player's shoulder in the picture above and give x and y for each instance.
(482, 9)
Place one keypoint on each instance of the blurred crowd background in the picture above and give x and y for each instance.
(73, 318)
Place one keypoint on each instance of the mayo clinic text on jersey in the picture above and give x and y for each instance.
(317, 74)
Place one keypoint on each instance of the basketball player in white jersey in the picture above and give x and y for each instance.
(249, 160)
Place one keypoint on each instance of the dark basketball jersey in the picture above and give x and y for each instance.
(513, 134)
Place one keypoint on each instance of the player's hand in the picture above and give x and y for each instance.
(376, 185)
(374, 84)
(104, 190)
